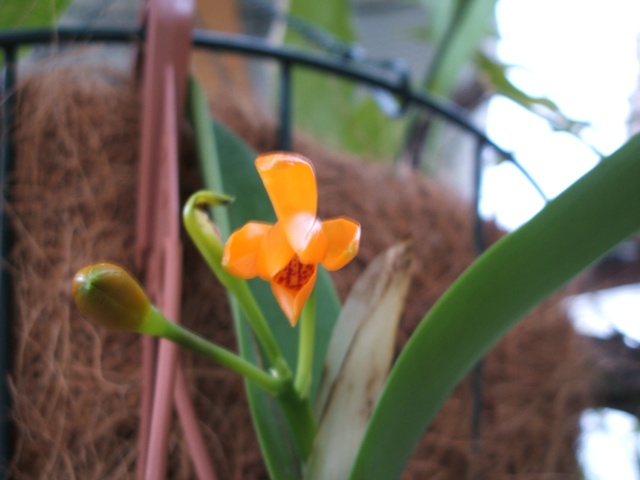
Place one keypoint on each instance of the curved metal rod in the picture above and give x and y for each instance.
(394, 82)
(7, 85)
(350, 69)
(359, 72)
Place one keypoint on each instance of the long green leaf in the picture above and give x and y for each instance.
(227, 166)
(341, 114)
(569, 234)
(242, 181)
(277, 447)
(458, 27)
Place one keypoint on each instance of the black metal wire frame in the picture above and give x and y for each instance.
(393, 81)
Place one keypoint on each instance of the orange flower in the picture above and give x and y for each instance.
(287, 254)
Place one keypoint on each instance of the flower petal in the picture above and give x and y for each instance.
(343, 238)
(290, 182)
(292, 287)
(274, 253)
(306, 236)
(240, 253)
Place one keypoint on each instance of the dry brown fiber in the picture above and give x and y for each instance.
(76, 387)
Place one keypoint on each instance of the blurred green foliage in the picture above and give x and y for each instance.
(30, 13)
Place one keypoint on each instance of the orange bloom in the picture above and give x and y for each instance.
(287, 253)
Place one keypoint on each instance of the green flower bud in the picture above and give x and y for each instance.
(110, 296)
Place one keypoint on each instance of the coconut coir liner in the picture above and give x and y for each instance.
(76, 387)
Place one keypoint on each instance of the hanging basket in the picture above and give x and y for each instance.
(75, 389)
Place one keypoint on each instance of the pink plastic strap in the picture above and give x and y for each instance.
(158, 248)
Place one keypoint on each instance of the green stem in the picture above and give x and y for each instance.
(158, 325)
(258, 324)
(445, 45)
(304, 370)
(299, 415)
(208, 242)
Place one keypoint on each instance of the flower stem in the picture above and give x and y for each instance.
(299, 415)
(304, 371)
(258, 323)
(209, 243)
(158, 325)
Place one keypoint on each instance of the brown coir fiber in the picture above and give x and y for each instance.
(76, 387)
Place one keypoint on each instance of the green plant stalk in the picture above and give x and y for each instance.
(212, 251)
(299, 414)
(209, 244)
(158, 325)
(207, 151)
(304, 367)
(297, 410)
(444, 45)
(570, 233)
(278, 446)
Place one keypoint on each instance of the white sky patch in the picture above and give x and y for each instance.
(609, 439)
(583, 56)
(604, 312)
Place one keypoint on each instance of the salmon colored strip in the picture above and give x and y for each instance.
(165, 271)
(158, 248)
(189, 422)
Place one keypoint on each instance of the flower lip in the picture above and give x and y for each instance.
(292, 287)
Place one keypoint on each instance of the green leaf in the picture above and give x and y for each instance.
(339, 113)
(276, 444)
(227, 165)
(494, 73)
(31, 13)
(358, 360)
(458, 28)
(508, 280)
(241, 180)
(332, 16)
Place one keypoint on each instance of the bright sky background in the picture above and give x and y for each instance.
(583, 55)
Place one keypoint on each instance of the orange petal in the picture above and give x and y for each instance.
(274, 253)
(240, 253)
(290, 182)
(343, 238)
(306, 236)
(292, 287)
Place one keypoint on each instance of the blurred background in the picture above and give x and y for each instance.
(553, 82)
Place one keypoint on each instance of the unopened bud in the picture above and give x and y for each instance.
(110, 296)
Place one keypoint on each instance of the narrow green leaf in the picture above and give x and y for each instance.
(227, 165)
(358, 360)
(277, 446)
(341, 114)
(242, 181)
(571, 232)
(458, 28)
